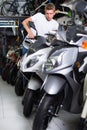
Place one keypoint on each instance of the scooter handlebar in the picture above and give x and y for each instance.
(81, 32)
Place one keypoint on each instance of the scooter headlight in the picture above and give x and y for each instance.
(33, 61)
(52, 63)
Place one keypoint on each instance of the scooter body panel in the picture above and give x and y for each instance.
(34, 83)
(65, 57)
(54, 84)
(41, 58)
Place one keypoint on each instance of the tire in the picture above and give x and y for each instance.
(5, 9)
(28, 103)
(27, 8)
(13, 74)
(26, 93)
(19, 85)
(8, 72)
(37, 96)
(5, 71)
(43, 115)
(8, 9)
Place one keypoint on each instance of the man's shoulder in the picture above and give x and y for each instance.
(55, 21)
(37, 16)
(40, 14)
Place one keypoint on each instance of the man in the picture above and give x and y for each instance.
(43, 23)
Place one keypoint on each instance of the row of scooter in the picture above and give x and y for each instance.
(52, 78)
(56, 80)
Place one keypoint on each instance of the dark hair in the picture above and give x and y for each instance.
(50, 6)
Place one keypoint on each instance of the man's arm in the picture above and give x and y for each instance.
(27, 27)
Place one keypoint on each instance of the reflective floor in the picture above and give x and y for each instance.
(12, 118)
(11, 115)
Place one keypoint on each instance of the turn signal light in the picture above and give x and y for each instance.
(84, 44)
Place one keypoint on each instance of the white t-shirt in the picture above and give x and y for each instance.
(43, 26)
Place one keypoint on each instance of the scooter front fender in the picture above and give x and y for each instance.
(54, 84)
(34, 83)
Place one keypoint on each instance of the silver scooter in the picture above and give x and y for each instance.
(23, 75)
(63, 83)
(32, 64)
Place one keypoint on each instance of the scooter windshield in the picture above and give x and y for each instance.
(38, 44)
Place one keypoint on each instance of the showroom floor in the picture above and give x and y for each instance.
(12, 118)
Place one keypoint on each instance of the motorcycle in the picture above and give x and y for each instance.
(31, 101)
(12, 57)
(33, 48)
(76, 13)
(63, 83)
(9, 58)
(32, 64)
(21, 79)
(11, 78)
(10, 69)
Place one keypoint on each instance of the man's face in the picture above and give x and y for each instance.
(49, 14)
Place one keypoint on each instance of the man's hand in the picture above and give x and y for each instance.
(31, 35)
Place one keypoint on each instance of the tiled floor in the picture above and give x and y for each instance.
(12, 118)
(11, 115)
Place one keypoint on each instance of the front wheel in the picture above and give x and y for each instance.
(8, 74)
(19, 85)
(47, 107)
(8, 9)
(5, 71)
(27, 8)
(28, 104)
(13, 74)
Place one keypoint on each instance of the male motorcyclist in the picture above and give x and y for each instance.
(44, 23)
